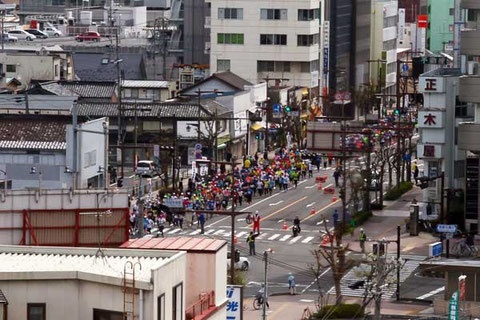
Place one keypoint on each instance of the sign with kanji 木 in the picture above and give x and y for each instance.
(431, 119)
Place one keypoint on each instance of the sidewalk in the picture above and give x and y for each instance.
(384, 224)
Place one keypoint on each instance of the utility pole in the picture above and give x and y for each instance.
(397, 292)
(199, 92)
(232, 222)
(398, 124)
(119, 107)
(174, 164)
(380, 274)
(265, 286)
(164, 47)
(3, 20)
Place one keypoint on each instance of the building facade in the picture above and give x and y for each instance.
(440, 25)
(276, 40)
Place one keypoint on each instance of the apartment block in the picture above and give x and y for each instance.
(275, 40)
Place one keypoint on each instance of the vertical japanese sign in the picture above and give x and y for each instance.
(235, 303)
(452, 307)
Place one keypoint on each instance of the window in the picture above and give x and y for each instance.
(11, 68)
(58, 2)
(307, 14)
(273, 14)
(306, 40)
(99, 314)
(177, 300)
(161, 307)
(230, 13)
(223, 65)
(273, 39)
(304, 66)
(230, 38)
(36, 311)
(273, 66)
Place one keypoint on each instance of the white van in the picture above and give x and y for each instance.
(146, 168)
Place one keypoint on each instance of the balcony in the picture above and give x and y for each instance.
(470, 4)
(468, 136)
(202, 308)
(470, 42)
(468, 91)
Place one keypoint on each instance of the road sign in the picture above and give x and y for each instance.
(156, 151)
(198, 155)
(435, 249)
(198, 146)
(422, 21)
(338, 96)
(347, 96)
(446, 228)
(235, 303)
(277, 108)
(277, 115)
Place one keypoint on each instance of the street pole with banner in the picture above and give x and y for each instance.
(453, 307)
(461, 290)
(235, 302)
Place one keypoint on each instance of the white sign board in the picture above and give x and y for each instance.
(446, 228)
(432, 85)
(174, 203)
(190, 155)
(203, 169)
(401, 24)
(156, 151)
(194, 170)
(430, 119)
(235, 303)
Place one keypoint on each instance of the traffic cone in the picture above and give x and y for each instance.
(320, 186)
(334, 198)
(235, 240)
(285, 227)
(312, 212)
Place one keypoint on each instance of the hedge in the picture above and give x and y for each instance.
(397, 192)
(341, 311)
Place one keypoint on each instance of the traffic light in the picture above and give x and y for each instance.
(257, 135)
(397, 112)
(288, 108)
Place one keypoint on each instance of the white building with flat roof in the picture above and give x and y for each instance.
(278, 40)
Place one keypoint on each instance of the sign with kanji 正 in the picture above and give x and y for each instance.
(235, 303)
(432, 85)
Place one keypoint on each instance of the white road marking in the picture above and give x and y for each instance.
(218, 232)
(306, 300)
(310, 187)
(307, 239)
(195, 232)
(285, 237)
(320, 222)
(276, 203)
(241, 234)
(310, 204)
(262, 235)
(175, 231)
(323, 273)
(275, 236)
(281, 220)
(209, 231)
(295, 239)
(238, 220)
(431, 293)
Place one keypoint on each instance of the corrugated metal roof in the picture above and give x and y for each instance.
(145, 84)
(188, 244)
(144, 110)
(42, 259)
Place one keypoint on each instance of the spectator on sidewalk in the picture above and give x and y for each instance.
(336, 176)
(415, 172)
(335, 218)
(161, 225)
(363, 238)
(291, 283)
(201, 220)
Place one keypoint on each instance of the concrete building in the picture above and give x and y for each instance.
(469, 93)
(19, 65)
(384, 32)
(413, 8)
(147, 90)
(39, 153)
(276, 40)
(440, 25)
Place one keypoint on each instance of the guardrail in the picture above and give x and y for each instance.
(202, 307)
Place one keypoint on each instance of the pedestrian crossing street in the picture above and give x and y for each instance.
(410, 265)
(277, 235)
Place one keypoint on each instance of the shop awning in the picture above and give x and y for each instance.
(257, 126)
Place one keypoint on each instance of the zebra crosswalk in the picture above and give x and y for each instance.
(277, 235)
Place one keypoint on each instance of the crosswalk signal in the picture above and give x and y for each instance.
(397, 112)
(288, 109)
(257, 135)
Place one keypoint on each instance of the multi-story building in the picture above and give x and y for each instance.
(413, 8)
(274, 40)
(440, 25)
(383, 51)
(469, 132)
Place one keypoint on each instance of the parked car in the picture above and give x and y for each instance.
(52, 32)
(37, 33)
(147, 168)
(9, 38)
(241, 263)
(22, 35)
(89, 36)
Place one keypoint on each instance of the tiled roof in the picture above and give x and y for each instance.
(32, 134)
(144, 110)
(145, 84)
(232, 79)
(90, 89)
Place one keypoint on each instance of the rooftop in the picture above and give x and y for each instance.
(32, 134)
(35, 263)
(144, 110)
(155, 84)
(229, 78)
(99, 66)
(188, 244)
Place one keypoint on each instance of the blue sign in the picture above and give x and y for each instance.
(407, 157)
(277, 108)
(435, 249)
(405, 67)
(446, 228)
(325, 60)
(235, 303)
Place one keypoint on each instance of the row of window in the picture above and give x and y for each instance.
(269, 14)
(303, 40)
(272, 66)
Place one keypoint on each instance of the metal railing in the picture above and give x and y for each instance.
(200, 308)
